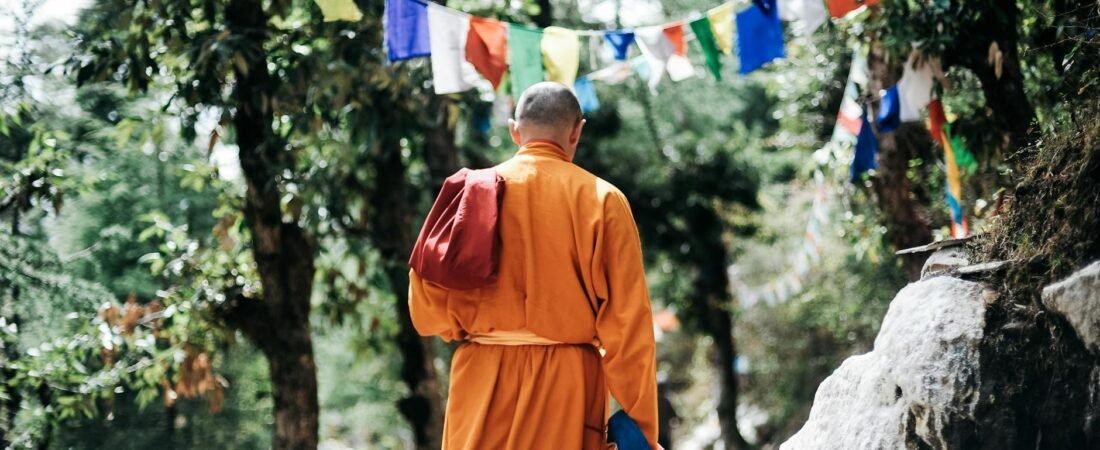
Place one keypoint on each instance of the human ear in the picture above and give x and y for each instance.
(575, 135)
(513, 130)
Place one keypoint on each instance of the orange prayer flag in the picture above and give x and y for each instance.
(675, 34)
(487, 48)
(840, 8)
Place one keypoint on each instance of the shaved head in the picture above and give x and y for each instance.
(550, 105)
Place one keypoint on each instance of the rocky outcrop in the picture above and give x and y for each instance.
(917, 388)
(1077, 298)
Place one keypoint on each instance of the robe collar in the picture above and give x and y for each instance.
(544, 148)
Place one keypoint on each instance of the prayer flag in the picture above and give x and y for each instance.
(936, 120)
(613, 74)
(954, 192)
(334, 10)
(850, 116)
(721, 25)
(759, 38)
(966, 160)
(657, 49)
(866, 151)
(487, 48)
(586, 95)
(620, 42)
(807, 15)
(889, 116)
(450, 71)
(561, 54)
(524, 57)
(915, 87)
(407, 30)
(841, 8)
(679, 67)
(705, 37)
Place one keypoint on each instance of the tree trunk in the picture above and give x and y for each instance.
(279, 323)
(392, 235)
(907, 221)
(711, 307)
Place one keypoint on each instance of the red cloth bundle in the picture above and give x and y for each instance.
(459, 245)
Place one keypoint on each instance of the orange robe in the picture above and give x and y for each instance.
(571, 272)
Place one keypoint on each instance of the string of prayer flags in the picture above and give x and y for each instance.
(914, 87)
(866, 150)
(524, 58)
(451, 72)
(404, 21)
(334, 10)
(807, 15)
(487, 48)
(619, 41)
(889, 114)
(721, 25)
(705, 37)
(759, 38)
(560, 54)
(841, 8)
(586, 95)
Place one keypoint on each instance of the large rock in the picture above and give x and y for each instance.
(917, 388)
(1077, 298)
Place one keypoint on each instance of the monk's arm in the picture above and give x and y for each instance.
(624, 323)
(428, 307)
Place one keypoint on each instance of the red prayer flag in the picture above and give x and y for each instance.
(936, 120)
(459, 245)
(487, 48)
(675, 34)
(840, 8)
(850, 123)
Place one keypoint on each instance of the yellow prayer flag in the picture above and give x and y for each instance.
(721, 23)
(334, 10)
(561, 54)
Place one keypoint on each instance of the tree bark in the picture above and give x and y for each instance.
(279, 323)
(907, 221)
(392, 236)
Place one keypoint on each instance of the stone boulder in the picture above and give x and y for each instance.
(1077, 298)
(917, 388)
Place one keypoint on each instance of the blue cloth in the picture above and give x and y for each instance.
(759, 38)
(407, 29)
(866, 150)
(956, 209)
(889, 111)
(624, 432)
(620, 42)
(586, 94)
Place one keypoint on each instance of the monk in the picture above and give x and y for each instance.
(570, 286)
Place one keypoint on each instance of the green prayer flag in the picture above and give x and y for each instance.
(524, 57)
(705, 37)
(963, 157)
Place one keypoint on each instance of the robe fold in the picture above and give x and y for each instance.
(570, 271)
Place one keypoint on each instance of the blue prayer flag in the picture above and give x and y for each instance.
(889, 111)
(407, 29)
(866, 150)
(620, 42)
(586, 95)
(759, 38)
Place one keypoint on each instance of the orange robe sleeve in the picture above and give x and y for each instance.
(624, 322)
(428, 308)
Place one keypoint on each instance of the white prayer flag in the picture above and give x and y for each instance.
(807, 15)
(657, 49)
(915, 87)
(451, 72)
